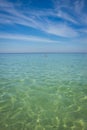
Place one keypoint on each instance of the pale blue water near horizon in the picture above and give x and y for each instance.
(43, 91)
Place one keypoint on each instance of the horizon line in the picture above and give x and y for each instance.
(39, 52)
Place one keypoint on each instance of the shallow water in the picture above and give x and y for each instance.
(43, 91)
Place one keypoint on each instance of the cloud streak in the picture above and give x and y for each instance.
(28, 38)
(60, 30)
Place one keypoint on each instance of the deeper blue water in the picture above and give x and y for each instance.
(43, 91)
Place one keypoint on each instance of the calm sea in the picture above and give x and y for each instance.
(43, 91)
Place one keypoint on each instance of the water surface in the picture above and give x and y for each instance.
(43, 91)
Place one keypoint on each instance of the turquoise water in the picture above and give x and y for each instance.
(43, 91)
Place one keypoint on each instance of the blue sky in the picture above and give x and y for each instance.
(43, 26)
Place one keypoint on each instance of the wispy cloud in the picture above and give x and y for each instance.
(28, 38)
(66, 16)
(60, 30)
(78, 6)
(38, 19)
(72, 10)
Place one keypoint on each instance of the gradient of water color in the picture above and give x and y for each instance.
(43, 91)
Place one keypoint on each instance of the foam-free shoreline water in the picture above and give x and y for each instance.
(39, 92)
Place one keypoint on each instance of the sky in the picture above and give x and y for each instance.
(43, 26)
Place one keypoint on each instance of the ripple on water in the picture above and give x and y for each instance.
(43, 93)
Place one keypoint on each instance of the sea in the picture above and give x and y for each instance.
(43, 91)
